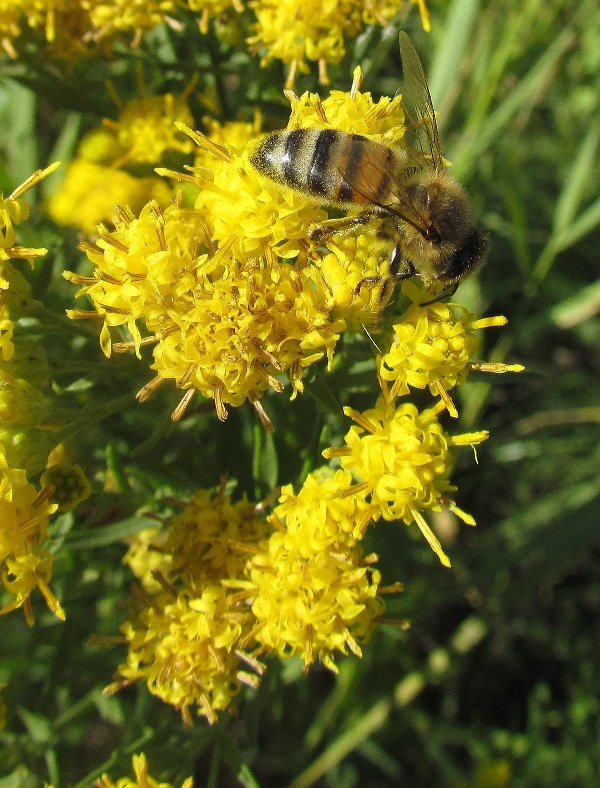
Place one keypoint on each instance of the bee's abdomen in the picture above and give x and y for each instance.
(334, 165)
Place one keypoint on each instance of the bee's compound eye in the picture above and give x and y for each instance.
(431, 234)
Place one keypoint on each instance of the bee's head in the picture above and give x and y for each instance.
(467, 259)
(445, 245)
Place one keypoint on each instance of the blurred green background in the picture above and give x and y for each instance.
(497, 681)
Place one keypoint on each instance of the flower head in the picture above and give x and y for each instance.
(63, 25)
(69, 485)
(228, 314)
(316, 595)
(433, 347)
(183, 645)
(188, 640)
(209, 540)
(25, 564)
(125, 16)
(402, 458)
(314, 31)
(145, 129)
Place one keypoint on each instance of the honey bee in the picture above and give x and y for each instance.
(416, 205)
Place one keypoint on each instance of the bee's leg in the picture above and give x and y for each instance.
(346, 224)
(447, 292)
(399, 269)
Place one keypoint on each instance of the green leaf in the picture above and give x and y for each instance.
(585, 303)
(449, 58)
(38, 726)
(111, 534)
(265, 462)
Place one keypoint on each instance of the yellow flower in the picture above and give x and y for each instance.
(91, 193)
(145, 129)
(142, 778)
(433, 347)
(321, 512)
(209, 539)
(188, 641)
(24, 563)
(63, 24)
(316, 595)
(249, 326)
(109, 16)
(222, 327)
(13, 210)
(146, 556)
(186, 646)
(352, 111)
(315, 31)
(401, 457)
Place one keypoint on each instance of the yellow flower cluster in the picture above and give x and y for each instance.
(232, 295)
(316, 594)
(71, 30)
(296, 33)
(142, 778)
(187, 642)
(185, 646)
(433, 347)
(401, 458)
(145, 129)
(316, 30)
(220, 327)
(109, 16)
(97, 180)
(213, 285)
(226, 588)
(25, 562)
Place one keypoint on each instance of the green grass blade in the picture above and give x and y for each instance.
(450, 53)
(471, 145)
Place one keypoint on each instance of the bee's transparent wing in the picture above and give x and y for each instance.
(417, 100)
(398, 202)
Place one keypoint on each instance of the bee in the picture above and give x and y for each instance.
(417, 206)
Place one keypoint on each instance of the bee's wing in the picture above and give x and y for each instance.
(375, 168)
(417, 99)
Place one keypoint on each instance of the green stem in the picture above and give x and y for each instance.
(374, 719)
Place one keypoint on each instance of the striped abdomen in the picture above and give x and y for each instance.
(332, 165)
